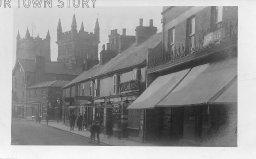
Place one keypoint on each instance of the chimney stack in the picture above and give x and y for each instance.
(108, 46)
(151, 22)
(124, 32)
(141, 22)
(144, 32)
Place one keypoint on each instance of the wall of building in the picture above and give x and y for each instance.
(32, 47)
(106, 86)
(18, 84)
(177, 17)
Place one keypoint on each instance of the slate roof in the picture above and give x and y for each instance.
(27, 64)
(60, 68)
(55, 83)
(50, 67)
(132, 56)
(85, 75)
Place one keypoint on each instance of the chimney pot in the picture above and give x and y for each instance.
(108, 46)
(141, 22)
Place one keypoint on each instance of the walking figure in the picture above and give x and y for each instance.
(72, 121)
(79, 122)
(92, 131)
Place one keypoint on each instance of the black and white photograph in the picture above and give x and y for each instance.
(126, 78)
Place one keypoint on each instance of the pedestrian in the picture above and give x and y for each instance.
(84, 122)
(47, 118)
(79, 122)
(97, 131)
(72, 121)
(92, 131)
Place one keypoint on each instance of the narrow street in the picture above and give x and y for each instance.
(26, 132)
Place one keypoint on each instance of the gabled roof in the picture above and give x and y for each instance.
(133, 56)
(56, 83)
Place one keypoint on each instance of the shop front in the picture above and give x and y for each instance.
(178, 105)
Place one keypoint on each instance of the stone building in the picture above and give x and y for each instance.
(45, 99)
(29, 47)
(77, 51)
(191, 95)
(78, 94)
(78, 47)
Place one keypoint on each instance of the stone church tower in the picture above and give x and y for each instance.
(30, 47)
(78, 48)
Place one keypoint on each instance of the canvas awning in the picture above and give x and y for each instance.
(229, 94)
(201, 84)
(157, 90)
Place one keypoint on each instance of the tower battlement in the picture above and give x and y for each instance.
(29, 47)
(74, 45)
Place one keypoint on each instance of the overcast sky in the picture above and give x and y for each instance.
(40, 20)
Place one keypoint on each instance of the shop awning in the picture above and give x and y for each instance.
(201, 84)
(229, 94)
(157, 90)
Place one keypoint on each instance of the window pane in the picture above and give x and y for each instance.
(192, 26)
(219, 13)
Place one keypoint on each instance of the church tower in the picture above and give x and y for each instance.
(76, 46)
(29, 47)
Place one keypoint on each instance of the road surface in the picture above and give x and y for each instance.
(26, 132)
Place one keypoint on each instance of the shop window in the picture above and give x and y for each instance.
(171, 39)
(191, 33)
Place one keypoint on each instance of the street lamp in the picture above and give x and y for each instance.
(57, 109)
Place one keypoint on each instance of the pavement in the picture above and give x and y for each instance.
(113, 141)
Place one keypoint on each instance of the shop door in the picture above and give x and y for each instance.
(177, 118)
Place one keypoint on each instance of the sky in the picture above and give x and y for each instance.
(39, 21)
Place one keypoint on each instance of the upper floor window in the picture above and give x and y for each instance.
(136, 74)
(217, 13)
(116, 80)
(91, 88)
(191, 33)
(96, 87)
(171, 39)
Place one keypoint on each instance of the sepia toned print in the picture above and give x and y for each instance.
(171, 82)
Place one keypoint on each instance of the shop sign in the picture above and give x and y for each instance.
(129, 86)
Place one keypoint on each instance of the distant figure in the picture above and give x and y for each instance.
(97, 131)
(72, 121)
(47, 118)
(92, 130)
(84, 121)
(79, 122)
